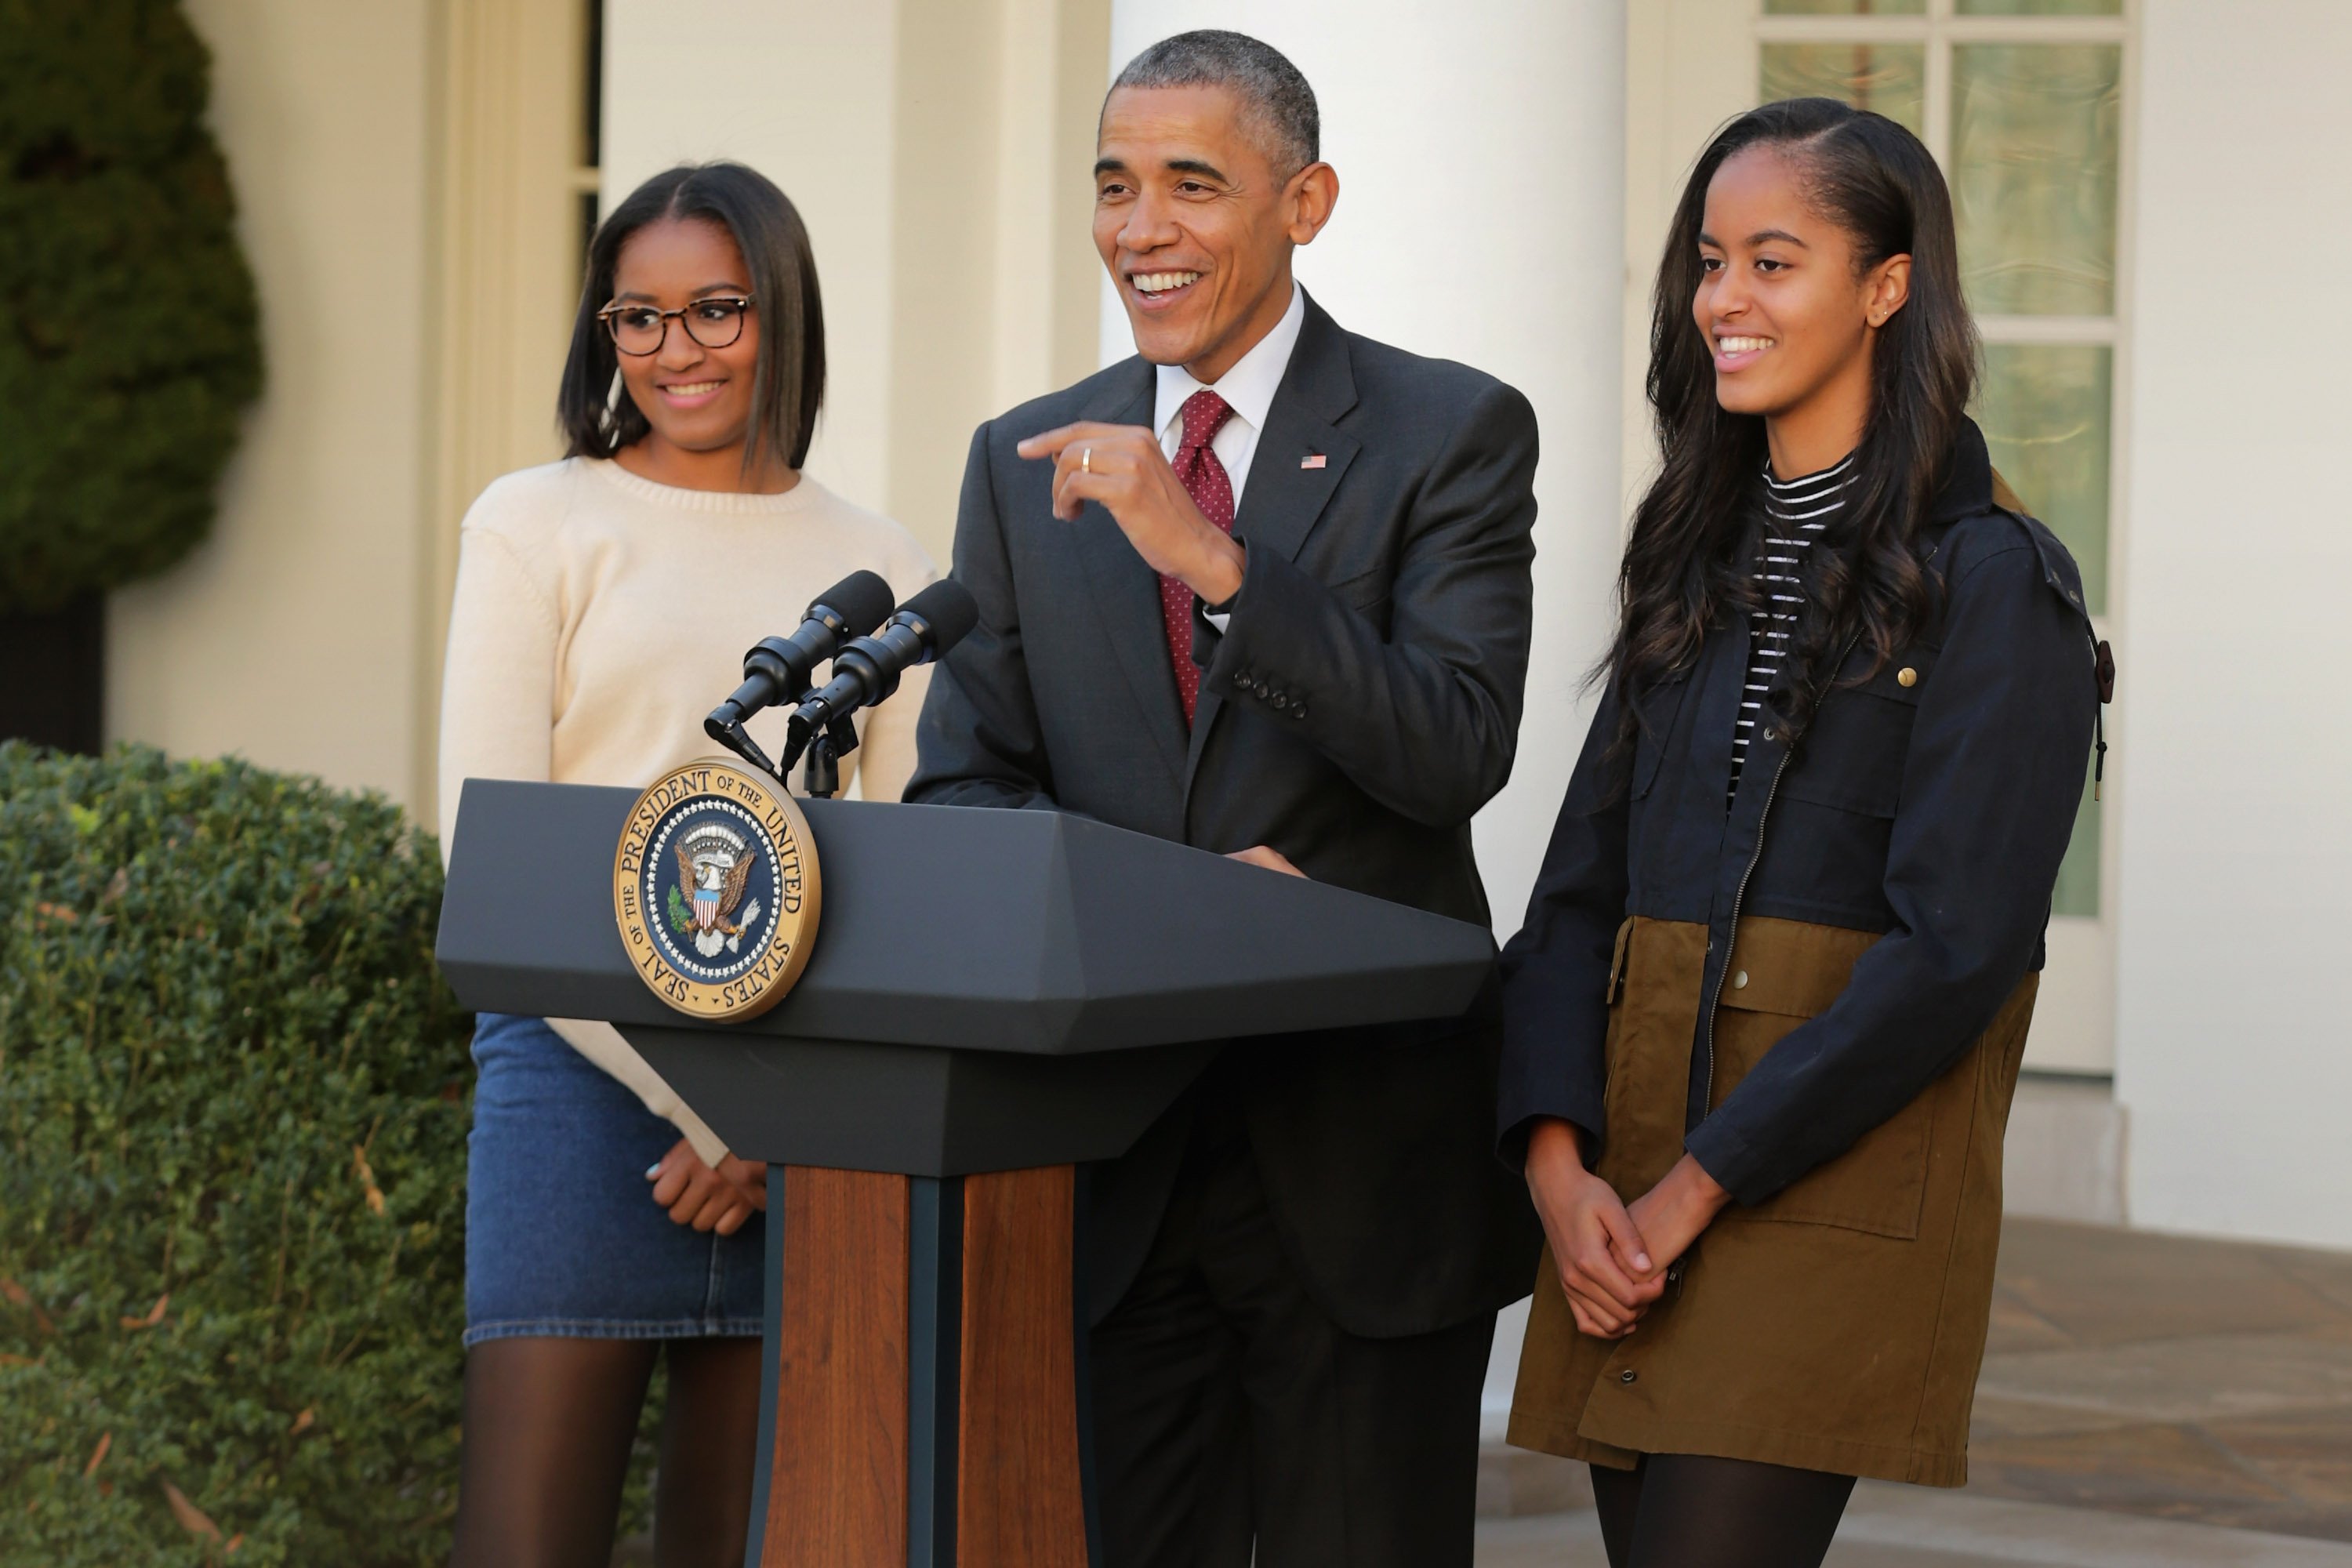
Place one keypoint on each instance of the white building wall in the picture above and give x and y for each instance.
(2232, 1053)
(291, 635)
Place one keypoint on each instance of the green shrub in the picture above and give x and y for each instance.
(129, 342)
(233, 1110)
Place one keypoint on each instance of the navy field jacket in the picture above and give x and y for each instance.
(1931, 803)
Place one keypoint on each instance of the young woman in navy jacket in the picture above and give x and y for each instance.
(1766, 1015)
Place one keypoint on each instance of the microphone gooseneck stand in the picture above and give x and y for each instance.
(866, 671)
(778, 667)
(821, 776)
(726, 729)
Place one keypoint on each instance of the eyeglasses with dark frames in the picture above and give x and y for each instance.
(714, 322)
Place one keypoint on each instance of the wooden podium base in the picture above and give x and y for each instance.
(922, 1404)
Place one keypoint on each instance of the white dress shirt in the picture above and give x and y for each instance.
(1248, 389)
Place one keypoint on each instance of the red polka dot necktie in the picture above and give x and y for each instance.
(1205, 480)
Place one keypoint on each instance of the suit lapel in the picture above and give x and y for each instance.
(1284, 499)
(1126, 591)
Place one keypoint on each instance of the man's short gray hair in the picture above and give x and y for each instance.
(1271, 89)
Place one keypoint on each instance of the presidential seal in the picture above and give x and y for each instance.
(715, 887)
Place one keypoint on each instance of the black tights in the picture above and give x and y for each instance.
(549, 1425)
(1687, 1510)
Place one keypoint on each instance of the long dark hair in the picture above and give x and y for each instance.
(1684, 567)
(787, 378)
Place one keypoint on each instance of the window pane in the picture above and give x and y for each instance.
(2078, 875)
(2044, 408)
(2041, 7)
(1889, 77)
(1845, 8)
(2036, 135)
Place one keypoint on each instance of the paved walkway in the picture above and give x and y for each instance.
(2146, 1400)
(2159, 1376)
(1891, 1526)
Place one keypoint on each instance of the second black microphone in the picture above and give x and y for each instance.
(868, 670)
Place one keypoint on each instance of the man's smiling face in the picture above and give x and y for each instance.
(1196, 223)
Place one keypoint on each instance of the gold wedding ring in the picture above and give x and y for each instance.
(1086, 460)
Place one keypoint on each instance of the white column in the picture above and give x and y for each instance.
(2236, 839)
(1481, 152)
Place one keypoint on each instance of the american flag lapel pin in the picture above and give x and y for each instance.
(1312, 460)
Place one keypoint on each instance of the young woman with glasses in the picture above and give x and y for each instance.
(603, 606)
(1763, 1023)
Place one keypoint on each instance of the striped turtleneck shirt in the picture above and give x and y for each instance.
(1796, 513)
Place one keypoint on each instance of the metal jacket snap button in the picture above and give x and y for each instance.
(1739, 981)
(1627, 1375)
(1907, 675)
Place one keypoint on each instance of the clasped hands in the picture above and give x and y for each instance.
(1612, 1258)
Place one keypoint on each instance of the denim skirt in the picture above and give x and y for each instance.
(563, 1236)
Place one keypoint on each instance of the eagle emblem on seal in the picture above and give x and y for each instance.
(713, 866)
(715, 892)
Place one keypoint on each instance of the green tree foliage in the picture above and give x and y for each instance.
(233, 1112)
(129, 335)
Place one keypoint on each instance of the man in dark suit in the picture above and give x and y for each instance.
(1264, 589)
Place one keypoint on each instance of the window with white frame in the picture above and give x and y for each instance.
(2022, 102)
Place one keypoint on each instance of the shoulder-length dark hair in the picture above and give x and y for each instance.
(1684, 568)
(788, 377)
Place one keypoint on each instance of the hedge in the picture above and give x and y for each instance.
(130, 346)
(233, 1110)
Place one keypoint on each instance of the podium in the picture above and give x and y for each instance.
(995, 998)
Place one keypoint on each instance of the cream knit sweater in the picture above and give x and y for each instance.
(599, 616)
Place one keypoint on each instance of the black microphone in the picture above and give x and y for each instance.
(777, 670)
(868, 670)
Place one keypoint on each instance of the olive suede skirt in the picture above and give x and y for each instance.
(1838, 1325)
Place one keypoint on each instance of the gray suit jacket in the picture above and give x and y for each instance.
(1363, 702)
